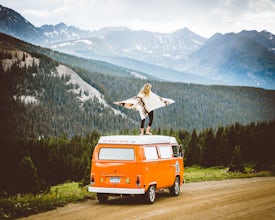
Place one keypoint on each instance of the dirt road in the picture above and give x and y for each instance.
(252, 198)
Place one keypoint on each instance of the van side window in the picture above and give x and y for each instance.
(116, 154)
(165, 152)
(151, 153)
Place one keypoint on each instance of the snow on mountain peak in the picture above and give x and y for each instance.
(137, 75)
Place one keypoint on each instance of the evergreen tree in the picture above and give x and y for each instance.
(236, 164)
(209, 149)
(232, 135)
(223, 150)
(27, 176)
(193, 150)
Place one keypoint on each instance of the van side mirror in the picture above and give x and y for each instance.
(177, 151)
(181, 151)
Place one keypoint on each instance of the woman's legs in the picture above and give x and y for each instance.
(142, 126)
(151, 117)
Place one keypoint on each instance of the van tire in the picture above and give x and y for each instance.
(102, 197)
(150, 194)
(175, 189)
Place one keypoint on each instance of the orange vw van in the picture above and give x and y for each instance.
(136, 165)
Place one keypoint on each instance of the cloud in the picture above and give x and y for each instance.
(204, 17)
(247, 14)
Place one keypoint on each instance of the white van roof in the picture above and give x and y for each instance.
(137, 139)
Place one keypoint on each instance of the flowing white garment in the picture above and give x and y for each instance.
(145, 104)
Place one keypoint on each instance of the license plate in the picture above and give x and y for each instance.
(115, 180)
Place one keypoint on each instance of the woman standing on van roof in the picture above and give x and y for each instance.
(145, 102)
(144, 94)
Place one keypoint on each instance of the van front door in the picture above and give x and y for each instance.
(154, 171)
(167, 164)
(160, 165)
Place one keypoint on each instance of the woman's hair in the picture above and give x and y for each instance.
(146, 89)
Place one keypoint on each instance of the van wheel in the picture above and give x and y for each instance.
(150, 195)
(102, 197)
(175, 189)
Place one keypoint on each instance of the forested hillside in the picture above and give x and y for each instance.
(196, 106)
(36, 101)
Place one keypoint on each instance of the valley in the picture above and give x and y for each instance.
(61, 83)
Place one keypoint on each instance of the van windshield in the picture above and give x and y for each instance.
(116, 154)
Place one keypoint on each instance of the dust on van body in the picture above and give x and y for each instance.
(136, 165)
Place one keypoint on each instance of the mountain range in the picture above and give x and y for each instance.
(14, 24)
(232, 59)
(246, 58)
(48, 93)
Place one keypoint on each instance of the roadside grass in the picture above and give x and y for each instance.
(27, 204)
(198, 174)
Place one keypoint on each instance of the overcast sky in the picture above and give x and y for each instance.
(204, 17)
